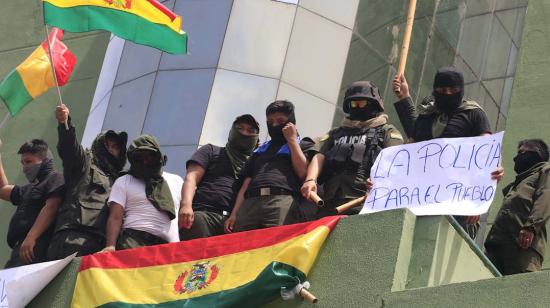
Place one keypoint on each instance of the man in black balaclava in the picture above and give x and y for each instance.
(517, 240)
(444, 114)
(89, 175)
(349, 151)
(212, 181)
(273, 175)
(31, 225)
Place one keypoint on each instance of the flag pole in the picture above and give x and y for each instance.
(5, 120)
(53, 70)
(406, 40)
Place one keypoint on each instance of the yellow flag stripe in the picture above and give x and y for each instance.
(140, 8)
(36, 73)
(155, 284)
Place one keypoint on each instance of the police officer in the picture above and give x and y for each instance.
(31, 225)
(270, 193)
(142, 203)
(444, 114)
(517, 240)
(349, 151)
(212, 181)
(89, 175)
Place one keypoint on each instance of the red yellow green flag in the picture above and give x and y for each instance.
(34, 76)
(145, 22)
(246, 268)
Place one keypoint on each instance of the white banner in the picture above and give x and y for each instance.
(447, 176)
(19, 285)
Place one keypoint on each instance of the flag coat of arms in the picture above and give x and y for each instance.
(239, 269)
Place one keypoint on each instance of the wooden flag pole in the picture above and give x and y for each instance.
(313, 196)
(406, 39)
(349, 205)
(4, 121)
(53, 70)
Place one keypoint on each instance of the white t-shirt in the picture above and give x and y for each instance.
(140, 213)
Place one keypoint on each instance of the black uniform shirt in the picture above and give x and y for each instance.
(218, 185)
(464, 123)
(270, 169)
(30, 199)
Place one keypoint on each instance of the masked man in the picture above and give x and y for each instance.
(142, 204)
(31, 225)
(89, 175)
(444, 115)
(349, 151)
(273, 175)
(212, 181)
(517, 240)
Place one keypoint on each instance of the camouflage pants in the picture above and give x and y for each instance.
(267, 211)
(67, 242)
(205, 224)
(131, 238)
(40, 251)
(510, 259)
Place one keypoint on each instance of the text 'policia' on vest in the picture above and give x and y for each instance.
(348, 152)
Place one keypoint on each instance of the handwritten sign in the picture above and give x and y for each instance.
(19, 285)
(447, 176)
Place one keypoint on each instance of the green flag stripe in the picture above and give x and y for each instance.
(264, 289)
(125, 25)
(14, 93)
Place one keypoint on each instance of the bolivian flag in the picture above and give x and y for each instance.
(145, 22)
(235, 270)
(34, 77)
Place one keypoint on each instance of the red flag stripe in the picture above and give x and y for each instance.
(202, 248)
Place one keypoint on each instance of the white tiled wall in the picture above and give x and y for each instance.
(316, 55)
(243, 54)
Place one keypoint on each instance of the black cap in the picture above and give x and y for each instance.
(362, 90)
(248, 119)
(121, 137)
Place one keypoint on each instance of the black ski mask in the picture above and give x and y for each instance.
(276, 132)
(524, 161)
(448, 77)
(371, 110)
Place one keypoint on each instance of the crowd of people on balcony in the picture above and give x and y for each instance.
(114, 196)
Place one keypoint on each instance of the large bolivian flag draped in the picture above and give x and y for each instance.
(34, 76)
(244, 269)
(145, 22)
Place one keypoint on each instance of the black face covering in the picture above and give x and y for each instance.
(524, 161)
(362, 114)
(276, 133)
(444, 78)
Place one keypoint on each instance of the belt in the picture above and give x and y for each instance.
(267, 191)
(155, 240)
(205, 208)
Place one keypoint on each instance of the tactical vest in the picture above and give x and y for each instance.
(349, 160)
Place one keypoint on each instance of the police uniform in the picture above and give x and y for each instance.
(349, 155)
(351, 149)
(89, 175)
(526, 205)
(30, 199)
